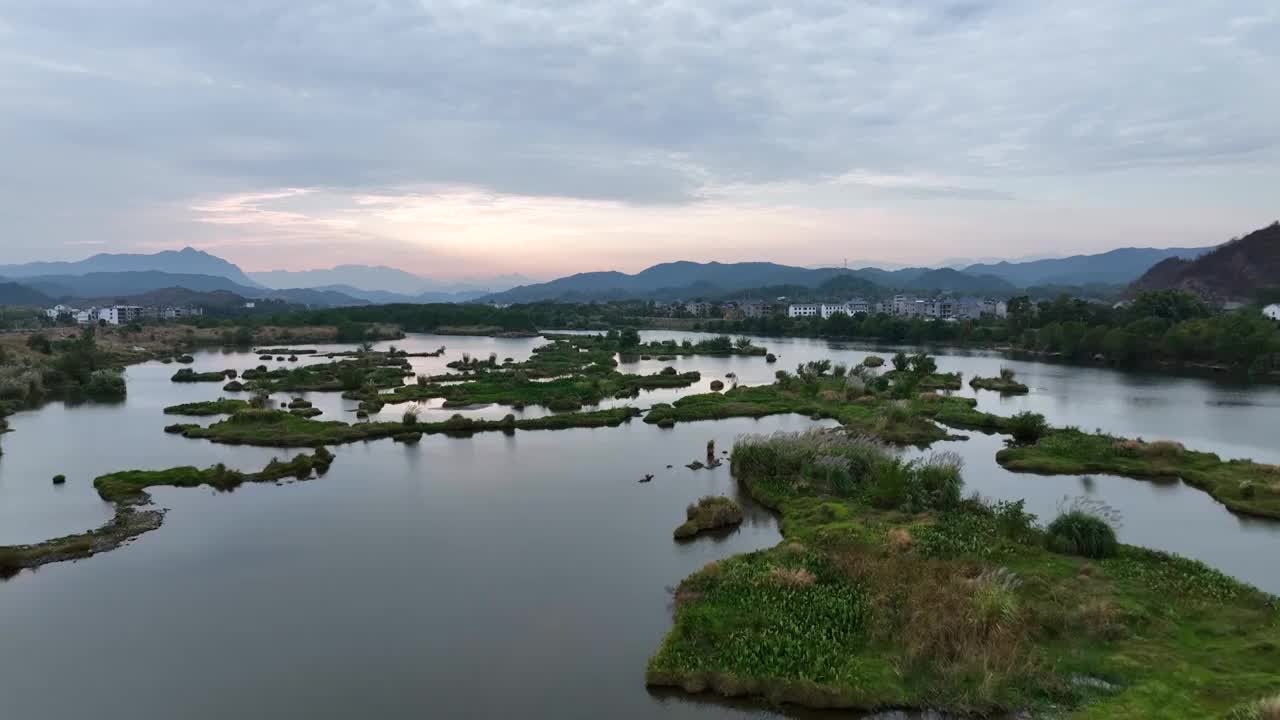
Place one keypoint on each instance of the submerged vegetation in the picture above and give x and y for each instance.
(890, 590)
(710, 513)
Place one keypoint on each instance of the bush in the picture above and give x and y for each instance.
(873, 361)
(1078, 532)
(1028, 427)
(669, 370)
(410, 416)
(716, 386)
(59, 479)
(105, 385)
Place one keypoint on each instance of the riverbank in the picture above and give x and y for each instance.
(890, 591)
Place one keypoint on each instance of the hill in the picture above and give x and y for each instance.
(1116, 267)
(12, 293)
(1236, 270)
(187, 261)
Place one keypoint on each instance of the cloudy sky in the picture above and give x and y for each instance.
(466, 137)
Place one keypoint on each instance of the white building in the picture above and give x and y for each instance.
(804, 310)
(1272, 311)
(87, 317)
(697, 308)
(120, 314)
(829, 309)
(858, 305)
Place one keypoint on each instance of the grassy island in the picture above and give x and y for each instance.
(1242, 485)
(221, 406)
(128, 489)
(187, 375)
(282, 428)
(710, 513)
(1005, 384)
(892, 591)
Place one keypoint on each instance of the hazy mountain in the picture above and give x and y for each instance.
(379, 278)
(12, 293)
(384, 297)
(108, 286)
(1235, 270)
(1116, 267)
(187, 261)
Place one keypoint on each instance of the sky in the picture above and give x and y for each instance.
(462, 138)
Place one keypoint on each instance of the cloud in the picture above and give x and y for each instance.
(139, 114)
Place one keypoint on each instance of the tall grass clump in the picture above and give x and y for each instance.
(1264, 709)
(1028, 427)
(1084, 528)
(832, 462)
(410, 416)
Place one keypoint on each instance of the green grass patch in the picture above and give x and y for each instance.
(710, 513)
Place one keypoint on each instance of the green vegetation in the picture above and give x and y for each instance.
(59, 479)
(221, 406)
(719, 345)
(280, 428)
(127, 489)
(891, 591)
(710, 513)
(1242, 485)
(1005, 384)
(373, 370)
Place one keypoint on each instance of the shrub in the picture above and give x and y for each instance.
(771, 358)
(716, 386)
(1078, 532)
(105, 385)
(709, 513)
(59, 479)
(410, 416)
(873, 361)
(668, 370)
(1028, 427)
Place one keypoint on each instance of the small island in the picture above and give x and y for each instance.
(710, 513)
(1005, 384)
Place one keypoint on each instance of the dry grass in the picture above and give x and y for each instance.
(951, 617)
(792, 577)
(900, 539)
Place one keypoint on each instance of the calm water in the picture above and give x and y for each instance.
(482, 577)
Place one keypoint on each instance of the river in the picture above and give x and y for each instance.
(491, 576)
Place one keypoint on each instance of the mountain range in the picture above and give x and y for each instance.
(121, 276)
(1235, 270)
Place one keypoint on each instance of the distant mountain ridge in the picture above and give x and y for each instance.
(108, 286)
(685, 279)
(1115, 267)
(1235, 270)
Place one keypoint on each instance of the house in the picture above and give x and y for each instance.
(58, 311)
(1272, 311)
(755, 308)
(858, 305)
(804, 310)
(173, 313)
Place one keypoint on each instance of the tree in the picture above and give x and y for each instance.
(901, 362)
(629, 338)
